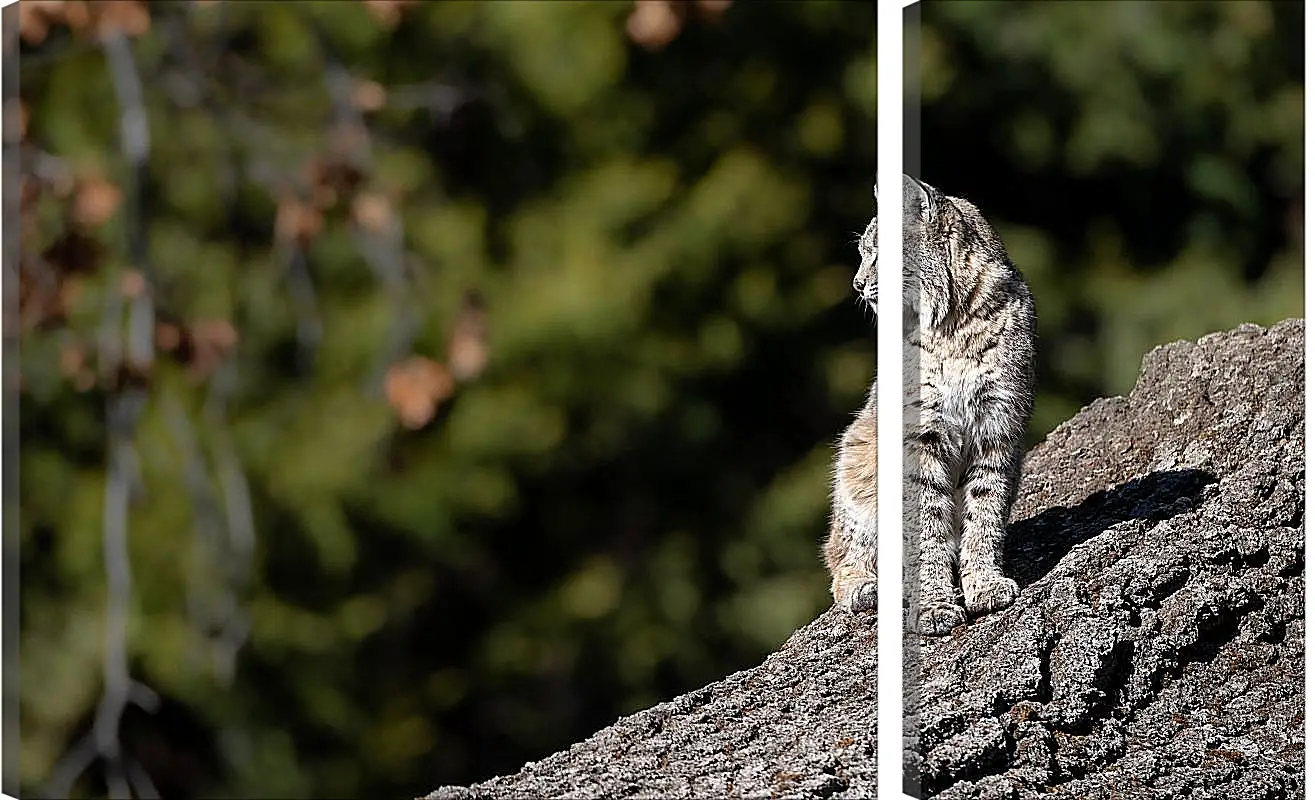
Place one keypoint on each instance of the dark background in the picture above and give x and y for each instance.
(489, 356)
(1142, 160)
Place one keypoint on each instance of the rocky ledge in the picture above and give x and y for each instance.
(1156, 650)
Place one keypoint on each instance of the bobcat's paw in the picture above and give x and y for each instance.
(938, 618)
(857, 595)
(863, 597)
(988, 594)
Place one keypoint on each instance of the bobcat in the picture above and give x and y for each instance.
(969, 389)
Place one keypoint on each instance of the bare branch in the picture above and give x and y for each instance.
(208, 524)
(134, 131)
(123, 410)
(139, 780)
(124, 406)
(72, 764)
(226, 531)
(382, 245)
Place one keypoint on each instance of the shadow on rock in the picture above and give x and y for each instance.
(1035, 545)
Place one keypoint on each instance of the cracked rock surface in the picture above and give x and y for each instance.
(1156, 649)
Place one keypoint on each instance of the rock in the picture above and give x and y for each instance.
(1156, 649)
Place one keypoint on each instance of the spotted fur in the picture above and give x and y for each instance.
(970, 332)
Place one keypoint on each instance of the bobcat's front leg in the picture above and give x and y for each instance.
(929, 517)
(989, 484)
(852, 562)
(851, 547)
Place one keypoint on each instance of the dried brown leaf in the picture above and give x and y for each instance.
(35, 18)
(414, 389)
(76, 15)
(346, 138)
(388, 12)
(334, 173)
(72, 359)
(129, 17)
(29, 191)
(95, 201)
(372, 212)
(214, 334)
(211, 340)
(132, 283)
(653, 24)
(19, 130)
(296, 221)
(168, 336)
(369, 95)
(70, 289)
(713, 7)
(468, 348)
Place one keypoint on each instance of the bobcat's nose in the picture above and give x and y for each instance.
(865, 286)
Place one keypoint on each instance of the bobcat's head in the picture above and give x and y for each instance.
(950, 254)
(926, 257)
(948, 247)
(865, 279)
(921, 202)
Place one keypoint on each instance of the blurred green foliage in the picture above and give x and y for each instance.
(452, 575)
(530, 391)
(1142, 160)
